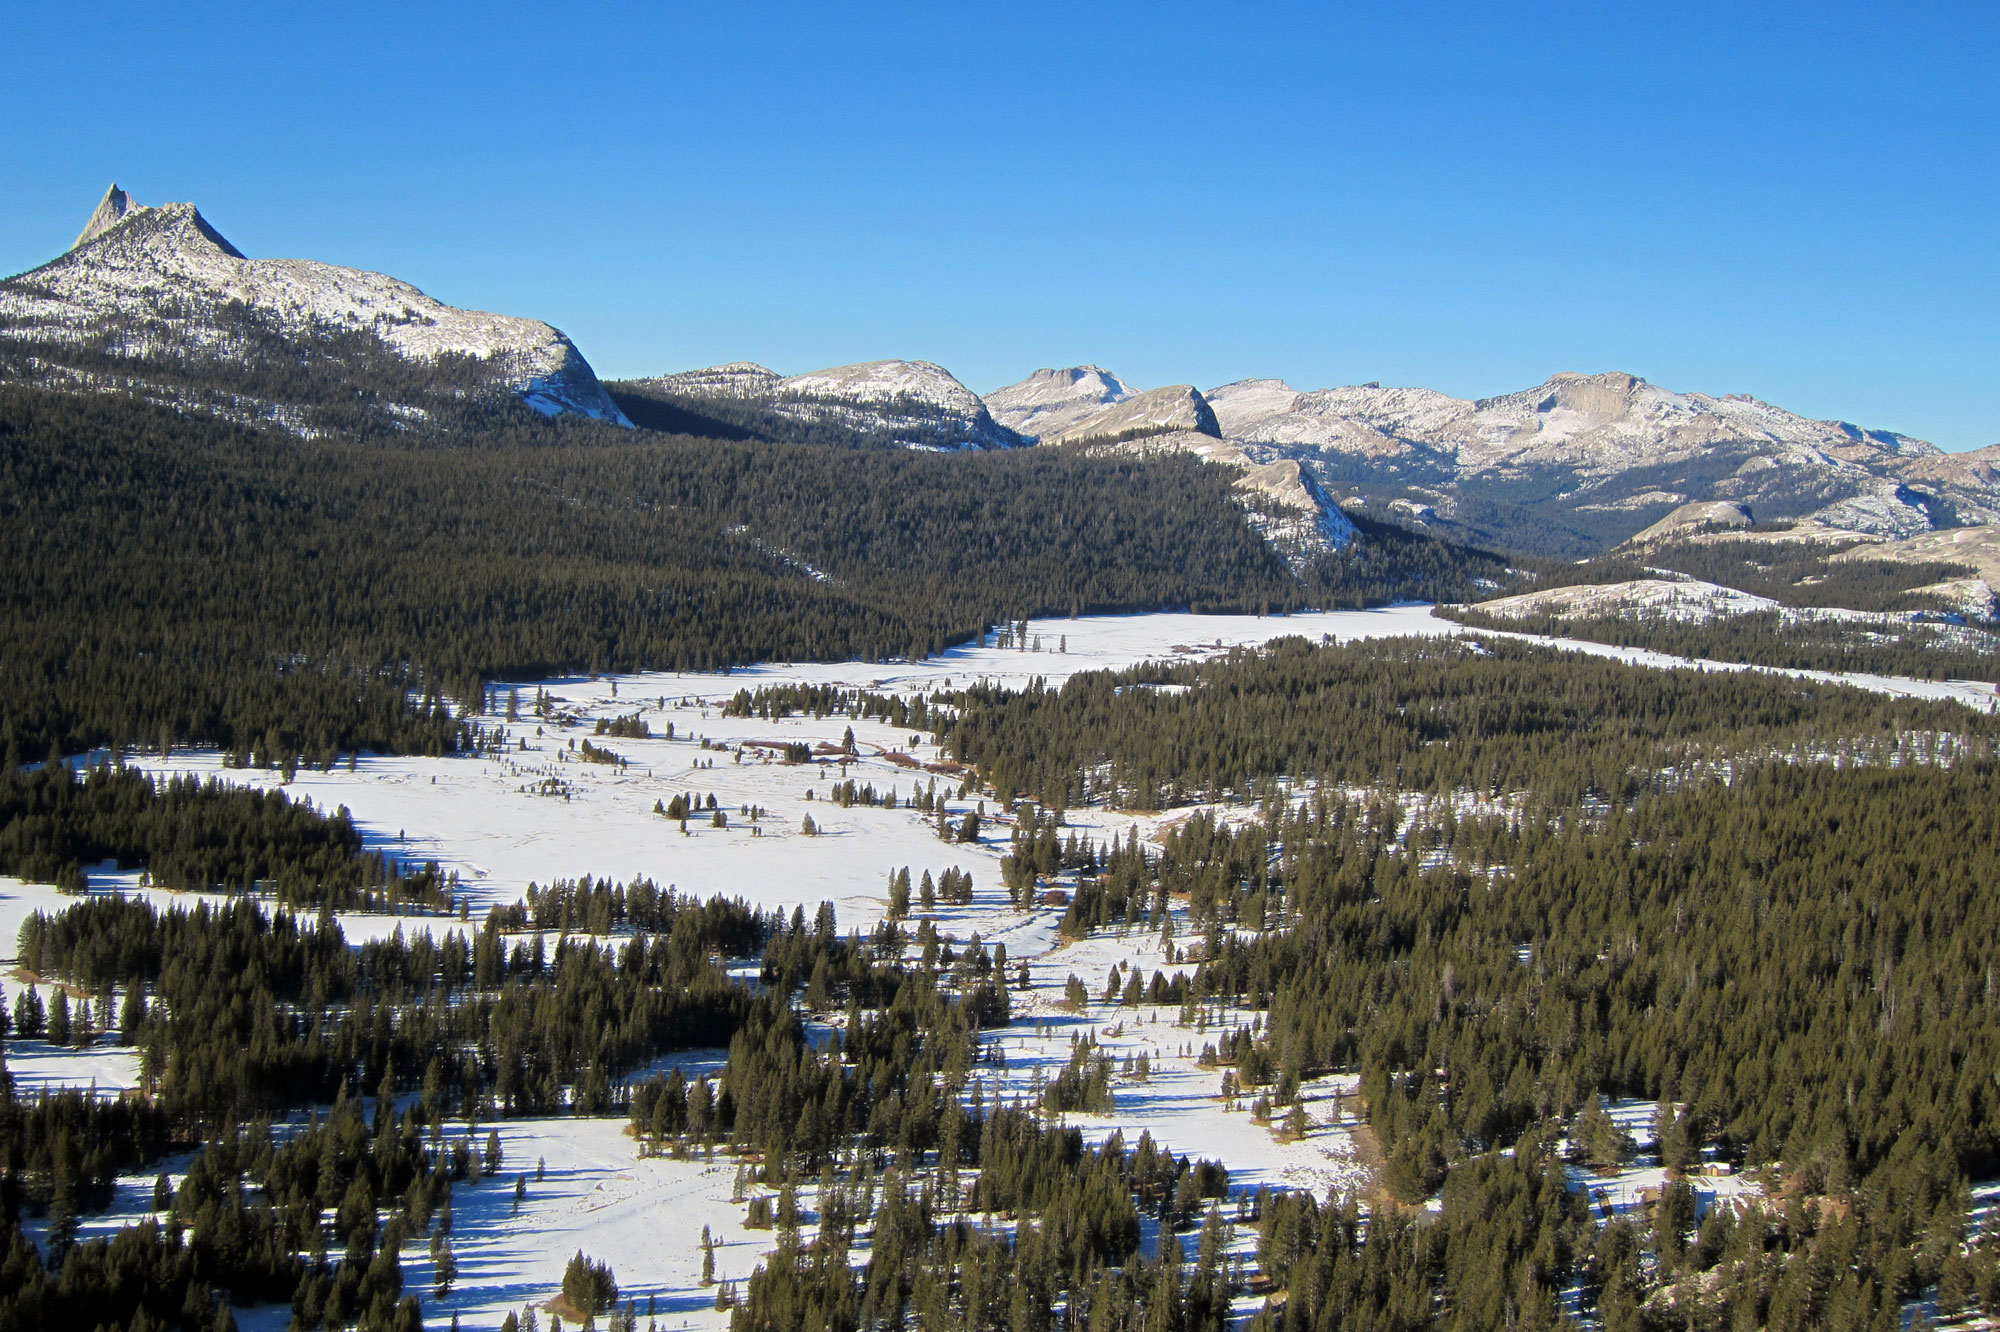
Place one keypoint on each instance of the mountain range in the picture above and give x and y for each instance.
(154, 302)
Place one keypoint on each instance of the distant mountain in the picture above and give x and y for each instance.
(155, 302)
(1089, 408)
(1587, 460)
(1572, 466)
(908, 404)
(1049, 402)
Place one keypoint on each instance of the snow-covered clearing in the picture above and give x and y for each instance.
(481, 817)
(1631, 1189)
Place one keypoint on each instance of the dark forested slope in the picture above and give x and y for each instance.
(180, 578)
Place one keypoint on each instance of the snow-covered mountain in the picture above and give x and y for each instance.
(154, 301)
(1576, 464)
(915, 404)
(1599, 424)
(1049, 402)
(1611, 451)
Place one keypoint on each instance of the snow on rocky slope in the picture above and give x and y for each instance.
(1178, 407)
(1597, 423)
(889, 382)
(1690, 601)
(1700, 516)
(145, 285)
(1050, 401)
(917, 404)
(1614, 444)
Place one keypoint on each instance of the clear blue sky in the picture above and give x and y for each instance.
(1800, 202)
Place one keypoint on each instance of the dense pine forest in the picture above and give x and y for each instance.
(179, 579)
(1415, 714)
(1933, 650)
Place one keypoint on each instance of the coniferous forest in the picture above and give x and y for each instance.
(179, 579)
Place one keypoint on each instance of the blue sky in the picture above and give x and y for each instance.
(1800, 202)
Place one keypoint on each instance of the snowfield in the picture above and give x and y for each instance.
(478, 817)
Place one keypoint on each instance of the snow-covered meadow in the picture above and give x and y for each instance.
(537, 812)
(485, 819)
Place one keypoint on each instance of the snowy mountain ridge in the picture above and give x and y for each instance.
(917, 404)
(1592, 458)
(1603, 422)
(145, 283)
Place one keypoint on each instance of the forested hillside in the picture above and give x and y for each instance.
(180, 579)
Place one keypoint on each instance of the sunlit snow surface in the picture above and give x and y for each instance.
(478, 816)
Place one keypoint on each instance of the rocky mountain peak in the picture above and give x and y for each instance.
(1605, 396)
(886, 381)
(160, 288)
(168, 230)
(915, 404)
(110, 211)
(1051, 400)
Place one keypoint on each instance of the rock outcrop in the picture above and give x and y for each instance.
(1700, 516)
(1160, 411)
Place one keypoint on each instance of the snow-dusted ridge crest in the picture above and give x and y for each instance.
(1049, 402)
(1599, 457)
(918, 404)
(168, 282)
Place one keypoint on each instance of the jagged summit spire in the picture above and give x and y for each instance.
(110, 211)
(180, 219)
